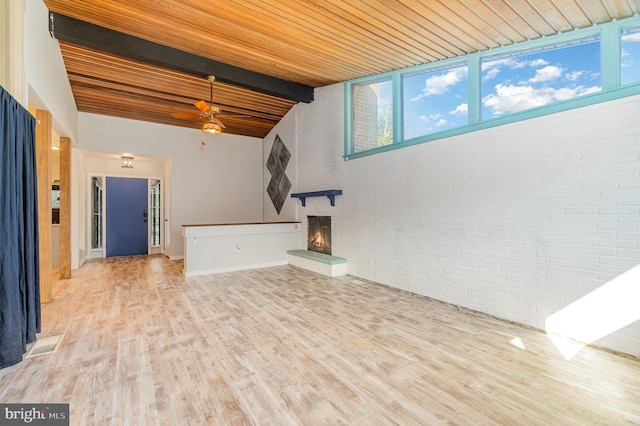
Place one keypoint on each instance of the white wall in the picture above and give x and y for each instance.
(48, 89)
(78, 209)
(286, 129)
(221, 183)
(517, 221)
(45, 72)
(98, 163)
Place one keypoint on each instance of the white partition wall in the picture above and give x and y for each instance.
(211, 249)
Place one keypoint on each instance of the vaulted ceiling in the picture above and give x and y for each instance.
(310, 43)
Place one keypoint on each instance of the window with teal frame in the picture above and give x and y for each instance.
(492, 88)
(434, 100)
(630, 56)
(537, 77)
(372, 115)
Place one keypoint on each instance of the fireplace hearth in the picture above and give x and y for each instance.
(319, 234)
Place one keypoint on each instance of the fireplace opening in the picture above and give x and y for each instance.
(319, 235)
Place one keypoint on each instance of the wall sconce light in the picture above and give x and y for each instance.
(127, 162)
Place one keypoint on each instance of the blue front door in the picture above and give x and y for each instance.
(126, 216)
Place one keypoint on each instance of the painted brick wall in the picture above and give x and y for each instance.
(365, 118)
(517, 221)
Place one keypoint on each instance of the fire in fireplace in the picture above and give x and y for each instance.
(319, 235)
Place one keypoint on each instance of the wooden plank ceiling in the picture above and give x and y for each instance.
(311, 42)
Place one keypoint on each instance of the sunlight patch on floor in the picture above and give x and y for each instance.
(518, 343)
(605, 310)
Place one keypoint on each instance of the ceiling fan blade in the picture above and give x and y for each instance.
(186, 115)
(203, 106)
(234, 115)
(219, 123)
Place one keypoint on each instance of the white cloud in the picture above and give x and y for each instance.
(510, 98)
(573, 75)
(460, 110)
(511, 63)
(441, 123)
(492, 69)
(634, 37)
(423, 118)
(491, 74)
(550, 72)
(538, 63)
(624, 52)
(439, 84)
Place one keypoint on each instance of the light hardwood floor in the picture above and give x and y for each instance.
(280, 346)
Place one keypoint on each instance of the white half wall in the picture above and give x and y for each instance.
(220, 183)
(225, 248)
(518, 221)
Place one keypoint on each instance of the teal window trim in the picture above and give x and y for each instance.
(586, 100)
(398, 126)
(475, 90)
(610, 45)
(348, 120)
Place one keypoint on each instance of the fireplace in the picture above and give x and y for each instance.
(319, 235)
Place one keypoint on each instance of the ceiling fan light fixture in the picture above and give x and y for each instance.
(211, 127)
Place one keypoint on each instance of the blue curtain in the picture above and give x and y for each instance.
(19, 257)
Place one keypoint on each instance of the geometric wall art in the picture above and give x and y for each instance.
(279, 185)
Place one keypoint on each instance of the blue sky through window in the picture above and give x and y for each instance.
(630, 57)
(437, 100)
(434, 101)
(517, 83)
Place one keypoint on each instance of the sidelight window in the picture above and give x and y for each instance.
(96, 211)
(154, 211)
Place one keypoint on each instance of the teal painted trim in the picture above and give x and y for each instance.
(628, 24)
(545, 42)
(587, 100)
(398, 116)
(327, 259)
(373, 78)
(348, 120)
(610, 56)
(475, 90)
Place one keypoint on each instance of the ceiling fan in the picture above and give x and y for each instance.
(212, 125)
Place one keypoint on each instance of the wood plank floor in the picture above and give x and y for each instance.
(283, 346)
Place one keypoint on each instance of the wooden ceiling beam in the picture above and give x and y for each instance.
(83, 33)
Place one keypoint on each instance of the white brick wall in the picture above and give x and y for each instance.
(516, 221)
